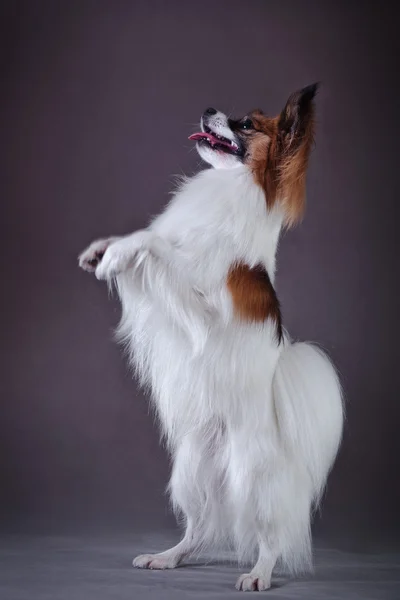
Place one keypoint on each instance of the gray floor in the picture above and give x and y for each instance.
(98, 568)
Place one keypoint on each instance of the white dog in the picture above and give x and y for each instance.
(253, 421)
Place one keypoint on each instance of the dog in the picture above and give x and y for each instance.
(252, 420)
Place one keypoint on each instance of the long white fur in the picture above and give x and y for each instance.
(253, 427)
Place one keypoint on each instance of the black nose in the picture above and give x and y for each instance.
(210, 111)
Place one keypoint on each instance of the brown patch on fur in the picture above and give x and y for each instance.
(278, 156)
(292, 177)
(253, 295)
(262, 151)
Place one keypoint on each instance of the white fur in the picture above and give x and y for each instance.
(253, 427)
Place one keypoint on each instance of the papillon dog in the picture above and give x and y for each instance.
(253, 421)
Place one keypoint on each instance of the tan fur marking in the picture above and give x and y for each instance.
(262, 156)
(279, 165)
(292, 180)
(253, 295)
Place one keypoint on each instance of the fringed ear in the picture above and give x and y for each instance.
(295, 137)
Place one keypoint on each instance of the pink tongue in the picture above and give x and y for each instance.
(202, 135)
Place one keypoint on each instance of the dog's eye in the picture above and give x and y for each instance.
(246, 124)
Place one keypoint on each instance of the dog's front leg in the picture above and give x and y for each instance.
(110, 257)
(91, 257)
(124, 253)
(163, 276)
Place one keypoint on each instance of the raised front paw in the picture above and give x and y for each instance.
(123, 254)
(92, 256)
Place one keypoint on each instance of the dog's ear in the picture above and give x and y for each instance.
(295, 134)
(296, 120)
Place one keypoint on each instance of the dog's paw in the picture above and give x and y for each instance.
(91, 257)
(250, 582)
(154, 561)
(122, 254)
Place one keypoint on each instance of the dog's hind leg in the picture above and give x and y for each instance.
(271, 497)
(169, 559)
(193, 489)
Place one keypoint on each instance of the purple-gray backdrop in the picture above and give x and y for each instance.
(98, 100)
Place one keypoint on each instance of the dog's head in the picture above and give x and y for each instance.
(275, 149)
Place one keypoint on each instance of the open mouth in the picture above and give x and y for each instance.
(215, 141)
